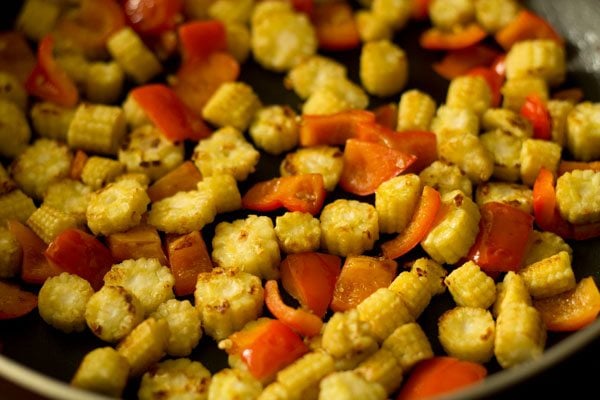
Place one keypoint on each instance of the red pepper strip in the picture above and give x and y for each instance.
(494, 81)
(545, 211)
(458, 62)
(335, 26)
(169, 114)
(526, 25)
(15, 302)
(536, 112)
(503, 237)
(198, 39)
(418, 227)
(387, 115)
(333, 129)
(152, 17)
(304, 6)
(437, 39)
(420, 9)
(188, 257)
(300, 321)
(574, 95)
(368, 164)
(48, 80)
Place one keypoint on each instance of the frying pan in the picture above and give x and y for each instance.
(41, 360)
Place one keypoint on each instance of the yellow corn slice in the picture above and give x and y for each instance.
(184, 324)
(14, 129)
(409, 345)
(238, 41)
(432, 273)
(511, 290)
(513, 194)
(582, 127)
(104, 82)
(450, 122)
(10, 254)
(233, 383)
(471, 92)
(225, 189)
(97, 128)
(134, 114)
(233, 104)
(145, 345)
(16, 205)
(470, 286)
(348, 385)
(48, 222)
(372, 27)
(508, 121)
(413, 291)
(446, 177)
(545, 244)
(348, 337)
(448, 14)
(102, 370)
(540, 58)
(231, 11)
(6, 183)
(325, 160)
(395, 13)
(494, 15)
(559, 111)
(304, 374)
(132, 55)
(335, 95)
(383, 68)
(37, 18)
(395, 202)
(178, 378)
(506, 151)
(514, 91)
(275, 129)
(467, 333)
(50, 120)
(479, 166)
(383, 368)
(550, 276)
(577, 196)
(298, 232)
(384, 310)
(12, 89)
(535, 154)
(99, 171)
(312, 73)
(415, 111)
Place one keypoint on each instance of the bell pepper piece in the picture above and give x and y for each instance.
(494, 81)
(77, 164)
(437, 39)
(387, 115)
(183, 178)
(545, 211)
(152, 17)
(333, 129)
(198, 39)
(526, 25)
(335, 26)
(458, 62)
(15, 302)
(188, 256)
(535, 111)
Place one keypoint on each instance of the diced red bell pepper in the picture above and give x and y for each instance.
(183, 178)
(422, 221)
(335, 26)
(503, 238)
(141, 241)
(387, 115)
(188, 256)
(303, 192)
(420, 9)
(494, 81)
(535, 111)
(166, 110)
(48, 81)
(15, 302)
(458, 62)
(333, 129)
(82, 254)
(310, 278)
(152, 17)
(526, 25)
(304, 6)
(368, 164)
(438, 39)
(198, 39)
(267, 347)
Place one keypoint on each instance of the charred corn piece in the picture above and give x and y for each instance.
(577, 196)
(304, 374)
(449, 122)
(514, 91)
(347, 385)
(135, 116)
(178, 378)
(99, 171)
(112, 312)
(148, 280)
(276, 391)
(506, 152)
(559, 111)
(467, 333)
(184, 324)
(102, 370)
(545, 244)
(132, 55)
(232, 384)
(312, 73)
(275, 129)
(248, 244)
(582, 127)
(415, 111)
(145, 345)
(508, 121)
(50, 120)
(395, 13)
(395, 202)
(550, 276)
(409, 345)
(226, 151)
(227, 300)
(37, 18)
(183, 212)
(231, 11)
(540, 58)
(325, 160)
(102, 215)
(383, 368)
(225, 189)
(383, 68)
(238, 41)
(469, 91)
(537, 154)
(48, 222)
(385, 310)
(494, 15)
(14, 129)
(413, 291)
(432, 273)
(446, 14)
(10, 254)
(233, 104)
(446, 177)
(335, 95)
(40, 164)
(511, 290)
(16, 205)
(346, 336)
(348, 227)
(104, 82)
(372, 27)
(513, 194)
(479, 166)
(297, 232)
(520, 335)
(97, 128)
(453, 236)
(12, 89)
(470, 286)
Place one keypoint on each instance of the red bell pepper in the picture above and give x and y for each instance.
(387, 115)
(188, 256)
(335, 26)
(361, 276)
(535, 111)
(152, 17)
(310, 278)
(503, 237)
(420, 9)
(571, 310)
(333, 129)
(183, 178)
(267, 347)
(16, 56)
(440, 375)
(142, 241)
(80, 253)
(438, 39)
(368, 164)
(35, 268)
(198, 39)
(526, 25)
(303, 192)
(419, 226)
(565, 166)
(48, 81)
(574, 95)
(494, 81)
(166, 110)
(458, 62)
(301, 321)
(304, 6)
(79, 160)
(15, 302)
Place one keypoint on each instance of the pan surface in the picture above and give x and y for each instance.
(43, 359)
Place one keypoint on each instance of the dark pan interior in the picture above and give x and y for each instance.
(33, 343)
